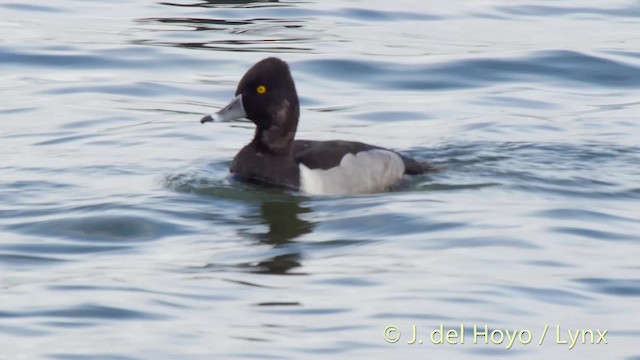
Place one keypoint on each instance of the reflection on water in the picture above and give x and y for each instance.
(284, 221)
(215, 3)
(284, 224)
(276, 218)
(255, 34)
(278, 265)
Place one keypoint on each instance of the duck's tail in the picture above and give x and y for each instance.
(416, 167)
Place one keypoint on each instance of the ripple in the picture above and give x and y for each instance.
(76, 59)
(261, 28)
(215, 181)
(66, 139)
(631, 11)
(616, 287)
(582, 214)
(30, 188)
(60, 249)
(350, 282)
(22, 331)
(32, 8)
(388, 115)
(550, 295)
(556, 67)
(549, 263)
(88, 311)
(19, 110)
(308, 310)
(548, 168)
(480, 242)
(27, 260)
(129, 289)
(412, 315)
(595, 234)
(142, 89)
(388, 224)
(113, 229)
(283, 12)
(386, 15)
(90, 356)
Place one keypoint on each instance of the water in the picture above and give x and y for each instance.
(123, 238)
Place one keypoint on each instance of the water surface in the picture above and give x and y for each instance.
(122, 236)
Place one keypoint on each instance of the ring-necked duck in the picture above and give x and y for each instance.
(267, 96)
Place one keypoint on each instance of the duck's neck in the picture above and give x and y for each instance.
(275, 140)
(276, 135)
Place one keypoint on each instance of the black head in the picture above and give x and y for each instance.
(270, 100)
(267, 96)
(267, 85)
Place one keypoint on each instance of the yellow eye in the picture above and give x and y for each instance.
(261, 89)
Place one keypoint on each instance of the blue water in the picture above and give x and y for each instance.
(122, 237)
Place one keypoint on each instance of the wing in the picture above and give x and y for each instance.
(328, 154)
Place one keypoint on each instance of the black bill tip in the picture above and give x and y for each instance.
(205, 119)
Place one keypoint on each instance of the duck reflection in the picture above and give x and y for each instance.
(285, 224)
(283, 219)
(278, 265)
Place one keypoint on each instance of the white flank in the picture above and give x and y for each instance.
(363, 173)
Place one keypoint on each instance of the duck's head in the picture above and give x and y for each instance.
(267, 96)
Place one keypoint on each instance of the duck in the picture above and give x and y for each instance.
(267, 96)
